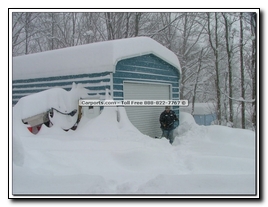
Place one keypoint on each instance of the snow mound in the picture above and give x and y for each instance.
(112, 123)
(108, 155)
(187, 122)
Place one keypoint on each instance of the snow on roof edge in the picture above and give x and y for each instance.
(89, 58)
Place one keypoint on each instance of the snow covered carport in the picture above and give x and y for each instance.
(133, 68)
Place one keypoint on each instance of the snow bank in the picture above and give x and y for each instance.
(107, 149)
(187, 122)
(217, 149)
(108, 155)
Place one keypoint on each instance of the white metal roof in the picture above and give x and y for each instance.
(91, 58)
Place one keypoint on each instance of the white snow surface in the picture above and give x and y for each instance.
(107, 155)
(90, 58)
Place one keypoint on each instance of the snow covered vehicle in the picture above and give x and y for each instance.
(54, 106)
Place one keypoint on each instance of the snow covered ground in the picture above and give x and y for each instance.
(107, 155)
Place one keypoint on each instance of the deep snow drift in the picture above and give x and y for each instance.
(108, 155)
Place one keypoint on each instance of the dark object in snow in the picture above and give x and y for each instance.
(72, 113)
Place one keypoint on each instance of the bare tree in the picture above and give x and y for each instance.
(215, 48)
(243, 122)
(253, 64)
(128, 17)
(196, 81)
(190, 32)
(17, 29)
(74, 28)
(115, 24)
(229, 50)
(23, 30)
(137, 22)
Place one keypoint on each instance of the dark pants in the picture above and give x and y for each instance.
(168, 133)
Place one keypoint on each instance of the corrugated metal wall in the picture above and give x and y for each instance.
(96, 83)
(146, 69)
